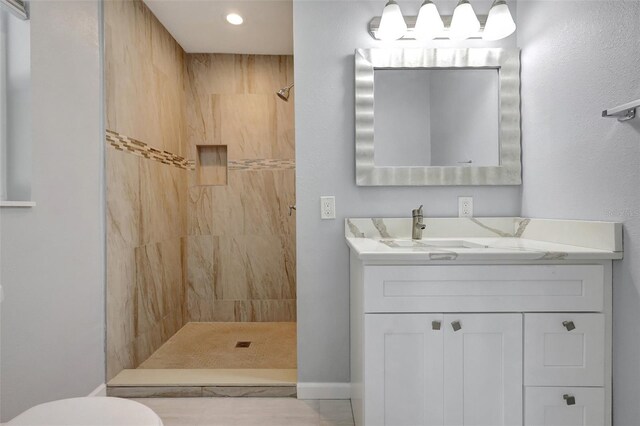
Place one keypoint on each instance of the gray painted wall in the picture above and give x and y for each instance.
(52, 264)
(326, 33)
(578, 58)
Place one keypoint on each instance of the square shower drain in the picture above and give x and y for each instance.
(243, 344)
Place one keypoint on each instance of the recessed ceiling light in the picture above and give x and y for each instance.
(234, 19)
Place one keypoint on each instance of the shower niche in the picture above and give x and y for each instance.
(211, 165)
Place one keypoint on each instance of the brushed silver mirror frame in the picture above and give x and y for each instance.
(507, 61)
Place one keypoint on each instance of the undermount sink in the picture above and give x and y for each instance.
(430, 242)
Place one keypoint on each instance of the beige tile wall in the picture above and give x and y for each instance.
(146, 199)
(241, 243)
(145, 70)
(176, 251)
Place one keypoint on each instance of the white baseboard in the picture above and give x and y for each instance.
(99, 391)
(324, 390)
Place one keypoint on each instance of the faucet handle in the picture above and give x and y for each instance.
(417, 212)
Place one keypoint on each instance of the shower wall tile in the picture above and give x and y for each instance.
(270, 133)
(121, 303)
(246, 248)
(173, 285)
(163, 201)
(266, 197)
(285, 129)
(241, 249)
(149, 288)
(267, 72)
(145, 80)
(200, 213)
(159, 282)
(123, 198)
(227, 208)
(123, 235)
(253, 310)
(232, 101)
(133, 146)
(145, 77)
(239, 270)
(254, 267)
(253, 202)
(146, 343)
(262, 164)
(247, 141)
(119, 358)
(171, 323)
(207, 75)
(274, 310)
(200, 273)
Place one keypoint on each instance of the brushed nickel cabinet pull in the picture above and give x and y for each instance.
(569, 325)
(456, 325)
(435, 325)
(571, 400)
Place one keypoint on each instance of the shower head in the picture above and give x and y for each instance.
(284, 92)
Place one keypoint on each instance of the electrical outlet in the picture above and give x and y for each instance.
(465, 206)
(328, 207)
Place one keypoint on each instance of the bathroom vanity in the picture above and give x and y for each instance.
(492, 321)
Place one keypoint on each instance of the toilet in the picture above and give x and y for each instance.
(88, 411)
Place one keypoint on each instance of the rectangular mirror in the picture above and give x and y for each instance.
(438, 117)
(417, 117)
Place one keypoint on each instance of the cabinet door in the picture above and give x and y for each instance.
(548, 406)
(403, 370)
(483, 369)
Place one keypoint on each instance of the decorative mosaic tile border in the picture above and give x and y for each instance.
(141, 149)
(262, 164)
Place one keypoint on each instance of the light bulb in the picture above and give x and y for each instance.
(464, 22)
(429, 23)
(499, 22)
(234, 19)
(392, 24)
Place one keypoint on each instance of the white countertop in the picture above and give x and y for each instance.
(503, 239)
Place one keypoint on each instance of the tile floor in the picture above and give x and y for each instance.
(250, 411)
(213, 345)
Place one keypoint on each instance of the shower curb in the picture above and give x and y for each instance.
(202, 391)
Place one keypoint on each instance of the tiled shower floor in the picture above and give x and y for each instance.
(213, 345)
(217, 359)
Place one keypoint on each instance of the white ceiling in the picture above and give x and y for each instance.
(200, 25)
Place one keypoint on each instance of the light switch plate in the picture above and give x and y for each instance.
(327, 207)
(465, 206)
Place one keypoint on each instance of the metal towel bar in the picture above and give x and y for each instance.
(623, 112)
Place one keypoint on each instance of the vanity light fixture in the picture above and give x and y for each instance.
(234, 19)
(392, 23)
(500, 23)
(464, 22)
(429, 23)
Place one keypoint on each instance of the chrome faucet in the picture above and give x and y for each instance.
(418, 225)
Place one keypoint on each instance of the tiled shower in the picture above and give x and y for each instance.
(200, 167)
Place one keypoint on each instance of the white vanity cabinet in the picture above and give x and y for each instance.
(438, 344)
(435, 369)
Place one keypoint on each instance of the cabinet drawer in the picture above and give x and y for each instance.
(548, 407)
(564, 349)
(483, 288)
